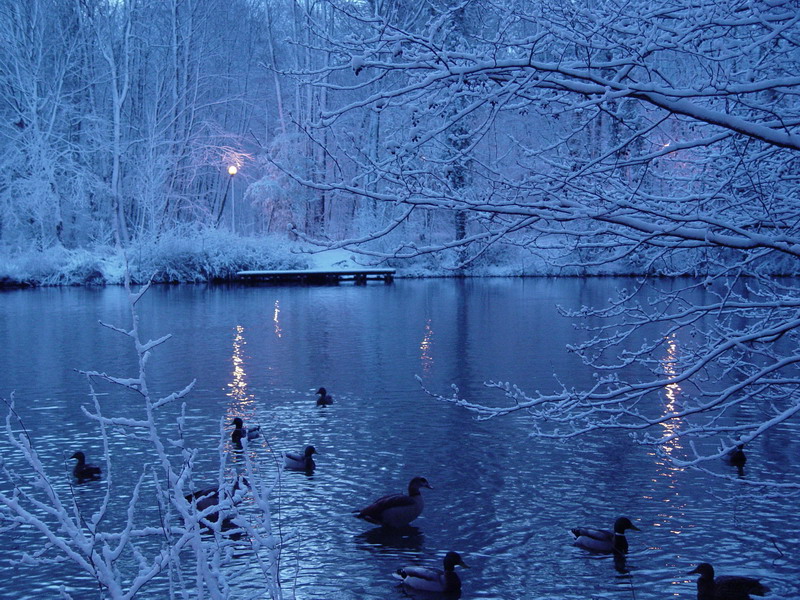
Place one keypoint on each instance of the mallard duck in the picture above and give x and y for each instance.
(209, 498)
(83, 471)
(429, 579)
(241, 432)
(602, 540)
(325, 399)
(300, 462)
(725, 587)
(396, 510)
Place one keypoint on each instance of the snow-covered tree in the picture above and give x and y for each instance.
(116, 118)
(655, 138)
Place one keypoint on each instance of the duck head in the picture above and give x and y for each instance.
(309, 451)
(452, 559)
(624, 523)
(80, 456)
(705, 570)
(415, 484)
(238, 423)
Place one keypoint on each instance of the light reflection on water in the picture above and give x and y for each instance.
(503, 500)
(276, 319)
(426, 347)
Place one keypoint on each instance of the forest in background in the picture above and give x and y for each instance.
(459, 135)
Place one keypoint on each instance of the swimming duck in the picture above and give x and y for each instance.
(325, 399)
(396, 510)
(209, 497)
(82, 471)
(736, 458)
(429, 579)
(602, 540)
(300, 462)
(241, 432)
(725, 587)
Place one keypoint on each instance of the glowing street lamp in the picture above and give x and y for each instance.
(232, 170)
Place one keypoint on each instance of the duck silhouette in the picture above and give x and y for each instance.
(241, 432)
(396, 510)
(82, 470)
(207, 500)
(725, 587)
(736, 458)
(324, 399)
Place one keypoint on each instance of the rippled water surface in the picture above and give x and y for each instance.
(502, 499)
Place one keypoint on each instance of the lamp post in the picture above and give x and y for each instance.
(232, 170)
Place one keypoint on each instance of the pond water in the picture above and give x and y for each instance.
(502, 499)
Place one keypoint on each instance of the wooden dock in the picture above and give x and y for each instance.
(318, 276)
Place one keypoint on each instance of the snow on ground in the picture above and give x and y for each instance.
(333, 259)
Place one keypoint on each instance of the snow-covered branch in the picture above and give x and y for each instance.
(185, 546)
(615, 135)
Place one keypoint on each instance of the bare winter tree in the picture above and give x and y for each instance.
(604, 137)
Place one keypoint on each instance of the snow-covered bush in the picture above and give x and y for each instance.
(53, 266)
(189, 254)
(192, 255)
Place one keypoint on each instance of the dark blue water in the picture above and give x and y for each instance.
(504, 500)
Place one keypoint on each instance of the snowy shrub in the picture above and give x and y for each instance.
(183, 255)
(54, 266)
(194, 255)
(80, 267)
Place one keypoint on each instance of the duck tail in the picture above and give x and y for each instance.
(369, 519)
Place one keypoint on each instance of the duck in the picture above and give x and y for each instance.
(208, 498)
(736, 458)
(325, 399)
(301, 462)
(602, 540)
(241, 432)
(396, 510)
(431, 579)
(725, 587)
(83, 471)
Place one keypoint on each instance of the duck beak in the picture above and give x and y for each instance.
(634, 527)
(693, 572)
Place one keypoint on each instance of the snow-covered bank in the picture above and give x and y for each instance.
(204, 255)
(216, 258)
(195, 256)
